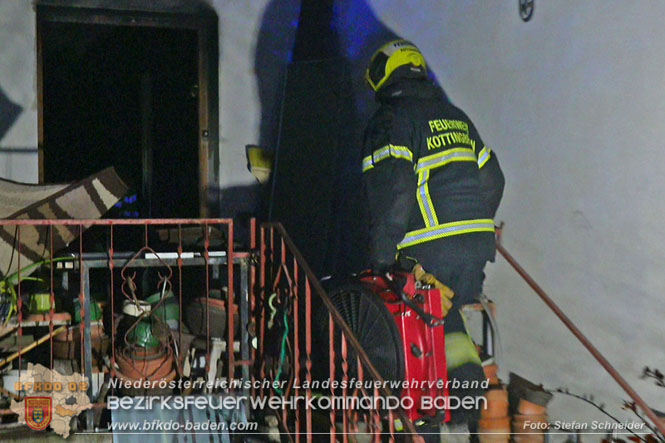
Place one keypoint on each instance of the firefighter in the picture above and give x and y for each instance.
(433, 188)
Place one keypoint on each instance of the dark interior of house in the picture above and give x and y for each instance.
(124, 96)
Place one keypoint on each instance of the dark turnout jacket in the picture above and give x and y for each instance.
(429, 178)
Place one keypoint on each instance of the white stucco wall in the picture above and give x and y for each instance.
(256, 39)
(573, 103)
(17, 80)
(239, 103)
(240, 109)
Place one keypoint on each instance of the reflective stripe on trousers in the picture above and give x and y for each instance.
(446, 230)
(460, 350)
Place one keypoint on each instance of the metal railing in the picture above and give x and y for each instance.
(154, 330)
(282, 264)
(287, 286)
(108, 346)
(272, 285)
(658, 423)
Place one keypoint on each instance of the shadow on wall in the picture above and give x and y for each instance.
(310, 62)
(9, 112)
(274, 50)
(240, 203)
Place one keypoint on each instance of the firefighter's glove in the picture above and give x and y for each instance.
(428, 279)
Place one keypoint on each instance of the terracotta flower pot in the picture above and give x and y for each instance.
(200, 309)
(66, 345)
(491, 372)
(151, 368)
(139, 352)
(142, 391)
(146, 368)
(497, 403)
(540, 418)
(57, 317)
(70, 350)
(493, 437)
(530, 438)
(73, 333)
(494, 430)
(530, 424)
(522, 429)
(170, 376)
(525, 407)
(501, 424)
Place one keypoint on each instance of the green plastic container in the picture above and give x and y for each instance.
(168, 311)
(95, 311)
(142, 335)
(40, 303)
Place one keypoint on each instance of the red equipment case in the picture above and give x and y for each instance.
(418, 313)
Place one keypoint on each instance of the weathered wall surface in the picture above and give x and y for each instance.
(18, 99)
(573, 103)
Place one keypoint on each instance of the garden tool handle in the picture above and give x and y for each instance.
(33, 345)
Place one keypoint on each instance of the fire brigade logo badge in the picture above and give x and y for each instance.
(38, 412)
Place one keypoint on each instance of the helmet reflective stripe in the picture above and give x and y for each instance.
(391, 56)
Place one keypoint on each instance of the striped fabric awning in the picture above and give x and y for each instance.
(88, 199)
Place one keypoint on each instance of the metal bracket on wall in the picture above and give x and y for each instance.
(526, 8)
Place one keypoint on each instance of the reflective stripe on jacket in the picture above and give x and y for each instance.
(423, 167)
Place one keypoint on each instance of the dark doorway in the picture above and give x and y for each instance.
(124, 96)
(131, 85)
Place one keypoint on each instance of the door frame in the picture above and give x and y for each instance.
(193, 16)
